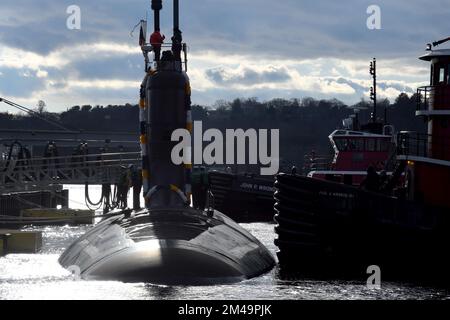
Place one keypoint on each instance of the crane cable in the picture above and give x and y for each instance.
(34, 113)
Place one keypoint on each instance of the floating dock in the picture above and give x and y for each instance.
(59, 216)
(13, 241)
(2, 245)
(12, 204)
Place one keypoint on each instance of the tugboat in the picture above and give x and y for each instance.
(356, 147)
(355, 151)
(168, 242)
(249, 198)
(329, 228)
(243, 197)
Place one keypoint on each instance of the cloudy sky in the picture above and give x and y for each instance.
(237, 48)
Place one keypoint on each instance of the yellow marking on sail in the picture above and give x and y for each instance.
(143, 139)
(142, 103)
(145, 174)
(189, 126)
(188, 88)
(188, 165)
(174, 188)
(188, 196)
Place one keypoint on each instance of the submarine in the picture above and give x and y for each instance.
(168, 242)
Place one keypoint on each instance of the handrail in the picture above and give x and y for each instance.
(423, 145)
(69, 157)
(148, 47)
(433, 98)
(77, 169)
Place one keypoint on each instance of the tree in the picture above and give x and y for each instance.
(75, 109)
(86, 108)
(402, 100)
(41, 107)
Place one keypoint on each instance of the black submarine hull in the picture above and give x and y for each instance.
(168, 246)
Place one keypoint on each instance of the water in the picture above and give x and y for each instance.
(39, 276)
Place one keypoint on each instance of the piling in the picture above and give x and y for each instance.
(3, 244)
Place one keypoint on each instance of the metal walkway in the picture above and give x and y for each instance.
(40, 173)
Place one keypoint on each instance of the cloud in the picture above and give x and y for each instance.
(125, 68)
(20, 82)
(247, 76)
(263, 48)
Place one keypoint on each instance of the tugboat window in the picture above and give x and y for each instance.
(371, 144)
(448, 74)
(441, 76)
(358, 144)
(341, 144)
(384, 145)
(351, 144)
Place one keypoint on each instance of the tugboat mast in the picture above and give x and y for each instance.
(436, 43)
(373, 89)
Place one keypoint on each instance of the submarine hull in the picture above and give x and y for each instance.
(168, 246)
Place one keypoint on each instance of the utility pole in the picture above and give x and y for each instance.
(373, 89)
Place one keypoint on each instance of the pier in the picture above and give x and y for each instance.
(40, 173)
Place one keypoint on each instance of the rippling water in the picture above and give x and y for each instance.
(39, 276)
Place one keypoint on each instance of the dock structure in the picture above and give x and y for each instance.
(35, 164)
(40, 173)
(2, 245)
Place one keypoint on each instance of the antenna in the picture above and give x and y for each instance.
(176, 15)
(157, 7)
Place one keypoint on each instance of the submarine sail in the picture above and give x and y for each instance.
(168, 242)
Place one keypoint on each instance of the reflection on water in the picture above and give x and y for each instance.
(41, 277)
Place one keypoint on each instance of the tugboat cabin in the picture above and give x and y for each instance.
(354, 152)
(428, 155)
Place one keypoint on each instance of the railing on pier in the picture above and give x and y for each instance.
(28, 174)
(433, 98)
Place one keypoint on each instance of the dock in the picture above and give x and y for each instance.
(15, 241)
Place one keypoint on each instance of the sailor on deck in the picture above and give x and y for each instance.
(177, 40)
(156, 40)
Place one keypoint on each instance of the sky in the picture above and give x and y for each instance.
(237, 49)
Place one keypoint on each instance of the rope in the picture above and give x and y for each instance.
(134, 29)
(88, 199)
